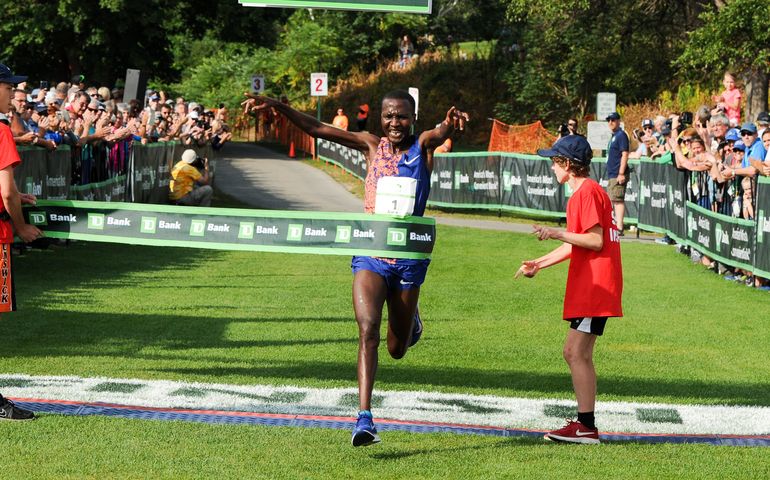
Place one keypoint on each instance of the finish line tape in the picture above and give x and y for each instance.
(325, 233)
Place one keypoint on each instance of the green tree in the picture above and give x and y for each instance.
(224, 76)
(54, 39)
(563, 53)
(734, 37)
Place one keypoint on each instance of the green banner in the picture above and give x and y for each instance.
(762, 245)
(110, 190)
(352, 161)
(727, 239)
(43, 173)
(150, 172)
(236, 229)
(404, 6)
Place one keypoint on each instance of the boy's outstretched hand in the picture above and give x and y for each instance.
(528, 268)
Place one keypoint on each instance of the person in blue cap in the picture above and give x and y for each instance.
(617, 168)
(591, 243)
(11, 218)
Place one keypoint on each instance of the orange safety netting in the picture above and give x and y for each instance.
(519, 138)
(286, 133)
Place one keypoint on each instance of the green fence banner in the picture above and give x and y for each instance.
(150, 169)
(401, 6)
(110, 190)
(762, 241)
(727, 239)
(43, 173)
(236, 229)
(352, 161)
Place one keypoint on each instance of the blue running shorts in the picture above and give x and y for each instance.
(402, 275)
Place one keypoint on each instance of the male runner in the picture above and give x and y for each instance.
(380, 281)
(594, 279)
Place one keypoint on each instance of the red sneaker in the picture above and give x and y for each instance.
(574, 432)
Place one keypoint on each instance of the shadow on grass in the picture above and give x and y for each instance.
(512, 380)
(41, 331)
(127, 335)
(401, 454)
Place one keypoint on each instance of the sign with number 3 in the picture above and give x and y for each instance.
(319, 84)
(257, 84)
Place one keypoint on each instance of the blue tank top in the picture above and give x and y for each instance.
(409, 165)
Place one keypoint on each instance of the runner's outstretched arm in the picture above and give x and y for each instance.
(361, 141)
(430, 139)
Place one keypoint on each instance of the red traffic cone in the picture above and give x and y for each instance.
(292, 153)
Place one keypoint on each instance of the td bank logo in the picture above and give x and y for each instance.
(343, 234)
(197, 228)
(37, 218)
(295, 232)
(396, 237)
(458, 177)
(96, 221)
(148, 225)
(691, 223)
(718, 234)
(246, 230)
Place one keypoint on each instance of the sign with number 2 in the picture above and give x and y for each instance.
(319, 84)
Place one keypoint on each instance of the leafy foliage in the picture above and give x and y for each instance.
(566, 52)
(735, 37)
(54, 39)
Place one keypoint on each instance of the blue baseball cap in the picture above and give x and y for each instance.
(749, 127)
(7, 76)
(733, 135)
(613, 116)
(739, 145)
(572, 147)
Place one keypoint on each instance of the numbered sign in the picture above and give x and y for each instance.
(257, 84)
(319, 84)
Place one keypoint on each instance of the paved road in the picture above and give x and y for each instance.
(265, 179)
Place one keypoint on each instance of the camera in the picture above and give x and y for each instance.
(563, 130)
(43, 84)
(685, 119)
(199, 163)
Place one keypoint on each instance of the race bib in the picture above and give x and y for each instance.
(395, 196)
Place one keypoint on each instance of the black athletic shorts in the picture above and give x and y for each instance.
(594, 325)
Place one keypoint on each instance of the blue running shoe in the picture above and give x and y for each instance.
(417, 328)
(365, 432)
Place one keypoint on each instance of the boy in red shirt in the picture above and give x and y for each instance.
(10, 218)
(594, 278)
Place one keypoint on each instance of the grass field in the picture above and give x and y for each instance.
(247, 318)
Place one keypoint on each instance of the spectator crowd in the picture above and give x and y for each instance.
(724, 154)
(85, 117)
